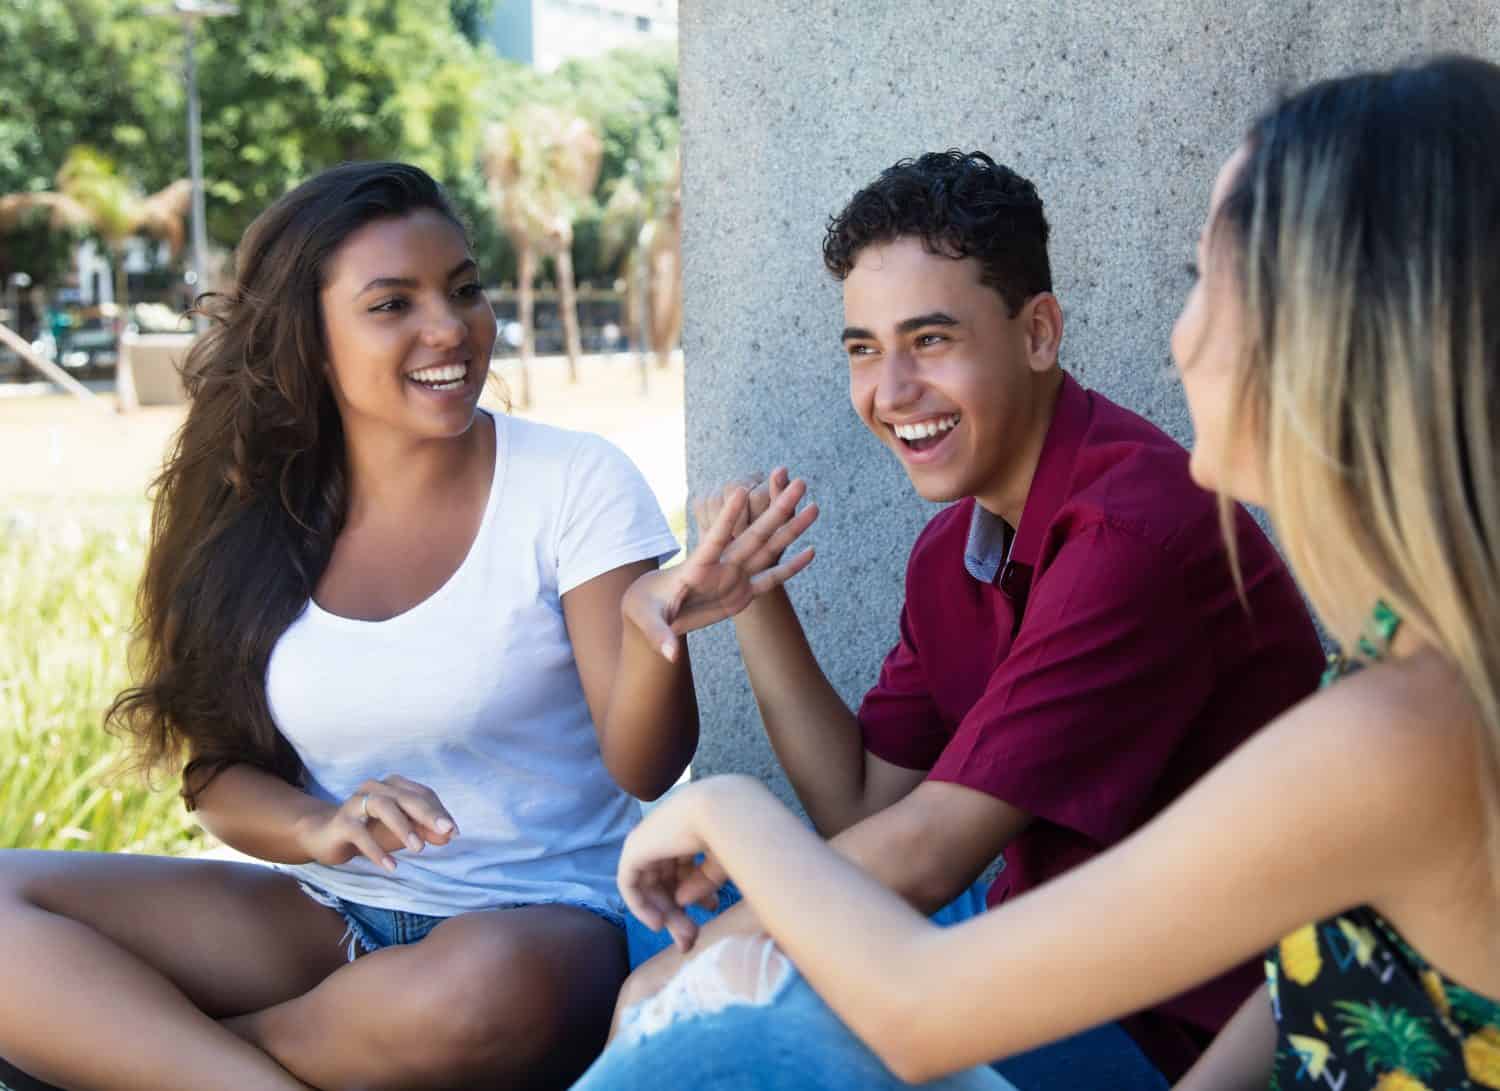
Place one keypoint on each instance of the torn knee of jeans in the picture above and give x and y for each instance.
(739, 970)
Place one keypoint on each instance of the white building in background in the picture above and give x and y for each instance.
(544, 33)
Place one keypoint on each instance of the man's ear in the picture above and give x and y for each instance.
(1043, 320)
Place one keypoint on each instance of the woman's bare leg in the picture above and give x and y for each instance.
(514, 998)
(117, 967)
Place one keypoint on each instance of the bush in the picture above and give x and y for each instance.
(67, 591)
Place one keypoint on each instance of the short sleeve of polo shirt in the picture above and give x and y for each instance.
(1106, 676)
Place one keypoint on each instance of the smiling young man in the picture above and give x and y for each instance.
(1073, 649)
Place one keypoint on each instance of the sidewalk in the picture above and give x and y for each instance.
(56, 451)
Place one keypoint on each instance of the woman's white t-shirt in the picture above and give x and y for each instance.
(474, 692)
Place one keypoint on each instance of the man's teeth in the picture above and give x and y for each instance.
(925, 428)
(445, 375)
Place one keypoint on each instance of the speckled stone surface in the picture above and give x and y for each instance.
(1120, 113)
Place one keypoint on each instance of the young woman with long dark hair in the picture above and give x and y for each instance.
(417, 655)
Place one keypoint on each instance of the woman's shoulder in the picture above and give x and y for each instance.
(1389, 760)
(564, 448)
(1409, 719)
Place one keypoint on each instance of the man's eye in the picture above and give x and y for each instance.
(861, 350)
(471, 291)
(929, 339)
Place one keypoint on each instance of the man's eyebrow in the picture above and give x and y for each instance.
(465, 266)
(856, 333)
(934, 318)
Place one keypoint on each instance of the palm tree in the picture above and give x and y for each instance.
(648, 219)
(540, 167)
(92, 195)
(664, 259)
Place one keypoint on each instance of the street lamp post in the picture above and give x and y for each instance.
(190, 11)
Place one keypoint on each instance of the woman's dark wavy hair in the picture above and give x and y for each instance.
(961, 205)
(255, 489)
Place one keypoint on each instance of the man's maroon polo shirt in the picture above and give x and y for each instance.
(1098, 670)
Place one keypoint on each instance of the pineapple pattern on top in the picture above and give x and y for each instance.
(1357, 1009)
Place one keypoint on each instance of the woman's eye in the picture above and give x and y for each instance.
(389, 306)
(471, 291)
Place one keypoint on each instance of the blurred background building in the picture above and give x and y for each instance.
(544, 33)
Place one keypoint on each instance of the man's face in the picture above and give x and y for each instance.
(939, 371)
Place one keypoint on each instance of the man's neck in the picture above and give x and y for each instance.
(1006, 498)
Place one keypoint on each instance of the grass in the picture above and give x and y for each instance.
(67, 587)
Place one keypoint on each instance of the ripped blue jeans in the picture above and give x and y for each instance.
(739, 1016)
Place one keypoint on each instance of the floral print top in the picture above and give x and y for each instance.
(1358, 1009)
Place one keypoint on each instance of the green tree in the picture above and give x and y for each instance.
(541, 165)
(630, 97)
(289, 89)
(83, 72)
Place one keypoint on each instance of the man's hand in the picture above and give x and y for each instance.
(736, 560)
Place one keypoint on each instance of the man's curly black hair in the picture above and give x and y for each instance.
(961, 205)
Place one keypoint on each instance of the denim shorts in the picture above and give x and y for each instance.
(369, 928)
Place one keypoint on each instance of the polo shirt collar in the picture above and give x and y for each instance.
(993, 549)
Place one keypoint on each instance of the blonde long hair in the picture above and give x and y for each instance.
(1365, 229)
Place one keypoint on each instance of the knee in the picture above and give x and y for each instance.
(504, 1008)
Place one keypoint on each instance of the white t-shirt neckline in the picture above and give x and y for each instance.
(317, 614)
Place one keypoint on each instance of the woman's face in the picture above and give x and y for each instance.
(1208, 344)
(407, 326)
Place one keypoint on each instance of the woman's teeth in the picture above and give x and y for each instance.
(445, 377)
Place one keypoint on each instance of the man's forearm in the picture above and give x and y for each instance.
(815, 736)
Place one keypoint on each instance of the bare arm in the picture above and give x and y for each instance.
(927, 848)
(263, 816)
(1109, 937)
(626, 629)
(1241, 1056)
(816, 738)
(643, 704)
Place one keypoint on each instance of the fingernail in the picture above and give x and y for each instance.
(444, 826)
(669, 650)
(414, 842)
(390, 864)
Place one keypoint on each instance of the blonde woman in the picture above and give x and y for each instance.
(1339, 357)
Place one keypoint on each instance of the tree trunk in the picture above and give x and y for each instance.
(526, 308)
(666, 292)
(126, 399)
(635, 305)
(568, 292)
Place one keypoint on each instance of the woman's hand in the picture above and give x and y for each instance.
(737, 559)
(380, 818)
(666, 862)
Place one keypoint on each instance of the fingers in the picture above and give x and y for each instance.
(362, 837)
(778, 526)
(424, 807)
(706, 507)
(774, 577)
(722, 531)
(649, 615)
(385, 810)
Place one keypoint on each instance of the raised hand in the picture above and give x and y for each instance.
(737, 558)
(381, 817)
